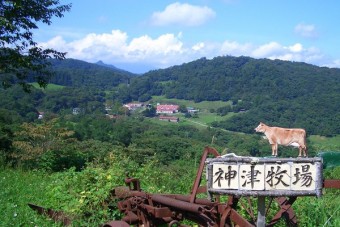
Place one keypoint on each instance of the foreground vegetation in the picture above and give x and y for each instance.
(18, 188)
(71, 162)
(85, 196)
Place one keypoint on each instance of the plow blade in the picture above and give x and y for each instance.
(57, 216)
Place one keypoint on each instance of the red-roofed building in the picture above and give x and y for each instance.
(167, 109)
(133, 106)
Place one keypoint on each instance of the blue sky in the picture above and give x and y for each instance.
(142, 35)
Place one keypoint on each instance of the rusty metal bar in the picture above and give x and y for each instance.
(186, 198)
(248, 209)
(116, 224)
(135, 183)
(207, 150)
(55, 215)
(238, 219)
(130, 217)
(185, 206)
(286, 208)
(331, 184)
(158, 212)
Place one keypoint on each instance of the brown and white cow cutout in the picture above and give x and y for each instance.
(284, 136)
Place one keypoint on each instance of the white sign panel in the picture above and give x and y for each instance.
(266, 176)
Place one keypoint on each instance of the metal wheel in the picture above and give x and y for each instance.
(276, 209)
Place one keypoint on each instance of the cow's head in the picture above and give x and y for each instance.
(261, 127)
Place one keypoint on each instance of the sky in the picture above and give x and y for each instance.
(139, 36)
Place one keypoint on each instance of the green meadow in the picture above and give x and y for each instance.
(205, 105)
(323, 143)
(49, 87)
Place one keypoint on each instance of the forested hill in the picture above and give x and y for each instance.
(245, 78)
(274, 91)
(76, 73)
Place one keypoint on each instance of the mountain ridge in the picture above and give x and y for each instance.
(78, 73)
(101, 63)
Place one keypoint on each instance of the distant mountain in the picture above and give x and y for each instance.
(101, 63)
(107, 65)
(72, 72)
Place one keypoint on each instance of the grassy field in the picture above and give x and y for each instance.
(203, 106)
(205, 115)
(323, 143)
(49, 87)
(202, 121)
(18, 188)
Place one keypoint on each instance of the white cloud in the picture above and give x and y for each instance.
(333, 64)
(306, 30)
(182, 14)
(164, 45)
(56, 42)
(296, 48)
(295, 52)
(198, 46)
(115, 47)
(168, 49)
(266, 50)
(234, 48)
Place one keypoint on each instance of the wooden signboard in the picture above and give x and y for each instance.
(250, 176)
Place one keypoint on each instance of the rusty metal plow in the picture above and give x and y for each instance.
(144, 209)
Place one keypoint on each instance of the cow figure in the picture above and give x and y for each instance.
(284, 136)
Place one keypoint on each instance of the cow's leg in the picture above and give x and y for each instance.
(300, 151)
(274, 149)
(304, 151)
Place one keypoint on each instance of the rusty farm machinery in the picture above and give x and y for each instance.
(226, 200)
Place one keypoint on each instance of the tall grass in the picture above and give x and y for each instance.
(17, 189)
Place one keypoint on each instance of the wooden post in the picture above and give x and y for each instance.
(261, 209)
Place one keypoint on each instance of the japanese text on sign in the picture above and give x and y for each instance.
(288, 176)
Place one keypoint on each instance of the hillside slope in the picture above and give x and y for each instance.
(289, 94)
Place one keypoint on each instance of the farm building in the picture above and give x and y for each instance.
(133, 106)
(167, 109)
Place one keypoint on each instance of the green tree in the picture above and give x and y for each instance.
(150, 111)
(6, 132)
(33, 141)
(183, 108)
(20, 55)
